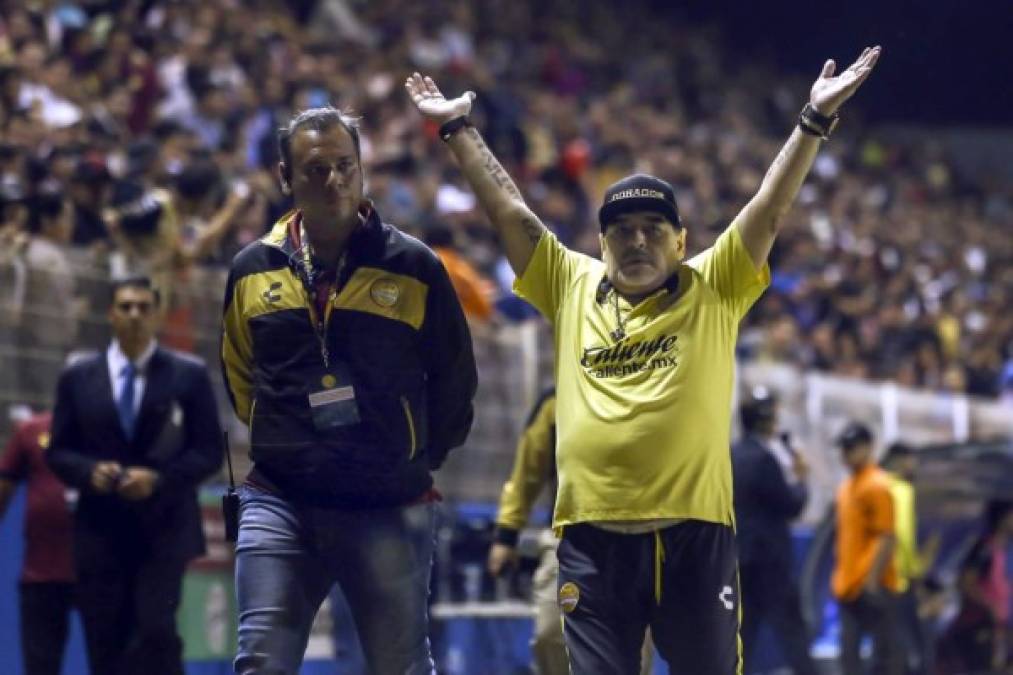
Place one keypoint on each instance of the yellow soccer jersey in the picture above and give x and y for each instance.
(533, 467)
(643, 424)
(905, 527)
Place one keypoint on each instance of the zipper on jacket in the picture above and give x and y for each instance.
(411, 427)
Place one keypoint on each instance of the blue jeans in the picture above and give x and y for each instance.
(348, 656)
(287, 559)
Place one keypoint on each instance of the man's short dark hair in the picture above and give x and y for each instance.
(895, 452)
(198, 179)
(138, 281)
(43, 207)
(317, 119)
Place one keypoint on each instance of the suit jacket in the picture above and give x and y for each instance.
(177, 434)
(765, 504)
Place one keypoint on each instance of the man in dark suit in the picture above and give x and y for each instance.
(770, 491)
(135, 429)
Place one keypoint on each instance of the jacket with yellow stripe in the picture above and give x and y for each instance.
(534, 468)
(396, 324)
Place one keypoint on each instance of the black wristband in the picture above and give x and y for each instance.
(506, 535)
(451, 127)
(806, 129)
(815, 123)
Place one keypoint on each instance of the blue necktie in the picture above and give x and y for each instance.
(125, 405)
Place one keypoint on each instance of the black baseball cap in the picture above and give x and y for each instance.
(854, 434)
(639, 192)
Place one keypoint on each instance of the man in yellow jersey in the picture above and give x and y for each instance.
(911, 564)
(644, 348)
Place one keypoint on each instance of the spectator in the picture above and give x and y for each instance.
(142, 223)
(875, 215)
(977, 641)
(49, 307)
(89, 191)
(46, 587)
(206, 217)
(472, 290)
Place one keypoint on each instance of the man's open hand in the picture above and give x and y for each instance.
(830, 91)
(432, 104)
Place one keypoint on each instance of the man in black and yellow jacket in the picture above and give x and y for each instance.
(346, 352)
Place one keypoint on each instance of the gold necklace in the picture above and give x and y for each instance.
(620, 332)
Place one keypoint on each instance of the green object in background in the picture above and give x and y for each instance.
(207, 617)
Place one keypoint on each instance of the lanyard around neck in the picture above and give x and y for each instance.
(309, 275)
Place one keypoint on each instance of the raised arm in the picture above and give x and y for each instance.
(760, 220)
(519, 229)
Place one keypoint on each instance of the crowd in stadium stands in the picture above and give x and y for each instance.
(148, 129)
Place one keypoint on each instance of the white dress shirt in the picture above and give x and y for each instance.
(117, 361)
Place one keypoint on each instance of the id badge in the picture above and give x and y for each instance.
(332, 399)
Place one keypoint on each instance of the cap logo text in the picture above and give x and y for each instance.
(633, 193)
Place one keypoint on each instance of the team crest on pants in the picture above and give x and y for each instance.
(569, 596)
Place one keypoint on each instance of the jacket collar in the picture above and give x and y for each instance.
(365, 243)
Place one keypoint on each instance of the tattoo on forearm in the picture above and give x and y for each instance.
(485, 168)
(493, 168)
(499, 175)
(781, 158)
(792, 163)
(533, 229)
